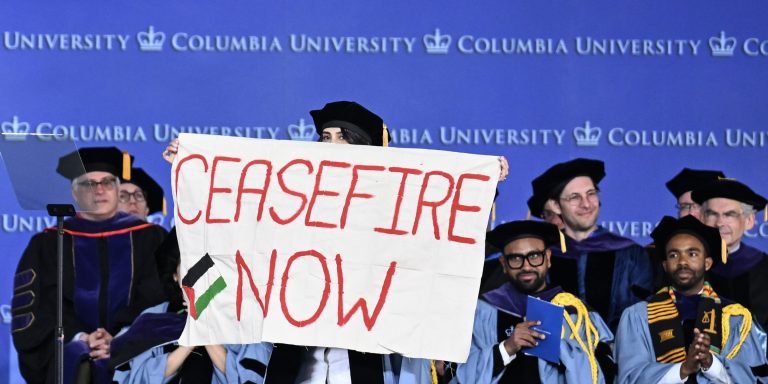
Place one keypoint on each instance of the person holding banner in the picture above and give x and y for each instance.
(607, 271)
(141, 196)
(344, 122)
(687, 332)
(503, 330)
(110, 274)
(730, 206)
(148, 351)
(341, 122)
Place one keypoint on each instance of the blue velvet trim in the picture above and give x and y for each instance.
(22, 300)
(23, 278)
(22, 321)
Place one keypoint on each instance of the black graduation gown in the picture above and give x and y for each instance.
(109, 277)
(744, 279)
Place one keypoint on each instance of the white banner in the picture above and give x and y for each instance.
(367, 248)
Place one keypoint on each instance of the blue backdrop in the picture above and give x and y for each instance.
(648, 87)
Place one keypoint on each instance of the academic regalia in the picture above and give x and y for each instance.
(286, 361)
(109, 278)
(498, 311)
(742, 352)
(689, 179)
(745, 280)
(351, 116)
(140, 354)
(605, 270)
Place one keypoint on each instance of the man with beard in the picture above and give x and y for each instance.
(607, 271)
(730, 206)
(687, 332)
(684, 183)
(501, 329)
(681, 187)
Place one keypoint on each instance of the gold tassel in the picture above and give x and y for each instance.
(493, 213)
(746, 326)
(528, 215)
(165, 207)
(562, 242)
(126, 165)
(723, 251)
(385, 136)
(765, 214)
(590, 331)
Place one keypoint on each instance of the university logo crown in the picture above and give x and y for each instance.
(437, 43)
(150, 41)
(587, 136)
(722, 46)
(301, 131)
(15, 130)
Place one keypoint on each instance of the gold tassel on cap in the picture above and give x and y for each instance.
(385, 136)
(723, 251)
(765, 214)
(562, 242)
(126, 165)
(165, 207)
(528, 215)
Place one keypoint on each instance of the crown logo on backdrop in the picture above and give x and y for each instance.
(587, 136)
(437, 44)
(722, 46)
(301, 131)
(15, 130)
(150, 41)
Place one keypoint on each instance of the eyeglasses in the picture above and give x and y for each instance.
(686, 207)
(137, 195)
(108, 183)
(576, 199)
(727, 216)
(516, 260)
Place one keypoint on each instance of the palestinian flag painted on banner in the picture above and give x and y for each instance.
(197, 287)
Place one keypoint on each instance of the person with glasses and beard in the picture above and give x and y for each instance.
(687, 332)
(502, 329)
(110, 274)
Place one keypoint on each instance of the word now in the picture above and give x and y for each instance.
(368, 318)
(430, 180)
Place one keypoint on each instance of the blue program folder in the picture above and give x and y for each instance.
(551, 317)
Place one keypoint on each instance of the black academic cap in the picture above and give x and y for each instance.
(729, 189)
(104, 159)
(541, 189)
(709, 236)
(352, 116)
(508, 232)
(560, 174)
(536, 205)
(690, 179)
(152, 190)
